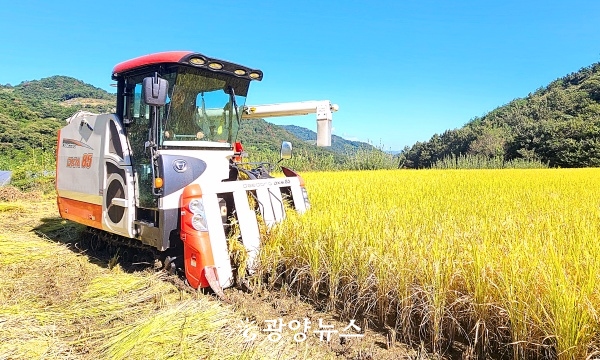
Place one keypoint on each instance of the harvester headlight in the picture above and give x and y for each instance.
(199, 222)
(254, 75)
(240, 72)
(215, 66)
(196, 206)
(197, 61)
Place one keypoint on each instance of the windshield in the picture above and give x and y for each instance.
(200, 107)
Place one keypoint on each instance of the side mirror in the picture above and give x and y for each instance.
(286, 150)
(154, 90)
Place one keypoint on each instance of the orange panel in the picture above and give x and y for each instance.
(81, 212)
(197, 251)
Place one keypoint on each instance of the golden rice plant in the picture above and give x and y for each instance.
(506, 261)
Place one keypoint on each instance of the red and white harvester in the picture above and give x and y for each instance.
(164, 171)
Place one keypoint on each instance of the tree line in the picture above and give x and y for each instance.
(557, 125)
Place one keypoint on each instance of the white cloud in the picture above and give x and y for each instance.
(350, 137)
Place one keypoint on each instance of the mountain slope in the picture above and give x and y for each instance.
(558, 125)
(32, 112)
(338, 143)
(262, 136)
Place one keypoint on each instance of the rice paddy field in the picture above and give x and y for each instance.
(506, 262)
(469, 264)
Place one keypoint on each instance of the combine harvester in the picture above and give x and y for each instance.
(164, 173)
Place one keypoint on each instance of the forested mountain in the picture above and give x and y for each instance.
(558, 124)
(32, 112)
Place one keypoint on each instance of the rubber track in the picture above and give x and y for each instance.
(133, 248)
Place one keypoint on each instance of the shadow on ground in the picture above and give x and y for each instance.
(76, 237)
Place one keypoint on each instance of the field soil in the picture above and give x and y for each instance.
(62, 300)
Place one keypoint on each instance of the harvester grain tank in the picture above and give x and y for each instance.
(165, 171)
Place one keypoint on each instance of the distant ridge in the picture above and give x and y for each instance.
(338, 143)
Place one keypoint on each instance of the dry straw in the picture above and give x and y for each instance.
(58, 304)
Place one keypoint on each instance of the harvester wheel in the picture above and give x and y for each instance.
(84, 243)
(157, 264)
(95, 244)
(170, 265)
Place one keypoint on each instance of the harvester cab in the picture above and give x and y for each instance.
(163, 171)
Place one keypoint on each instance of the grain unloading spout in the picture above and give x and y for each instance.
(323, 108)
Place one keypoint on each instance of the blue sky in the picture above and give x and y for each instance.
(399, 70)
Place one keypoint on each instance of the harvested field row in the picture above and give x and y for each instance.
(61, 301)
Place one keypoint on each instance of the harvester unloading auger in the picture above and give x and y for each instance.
(163, 172)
